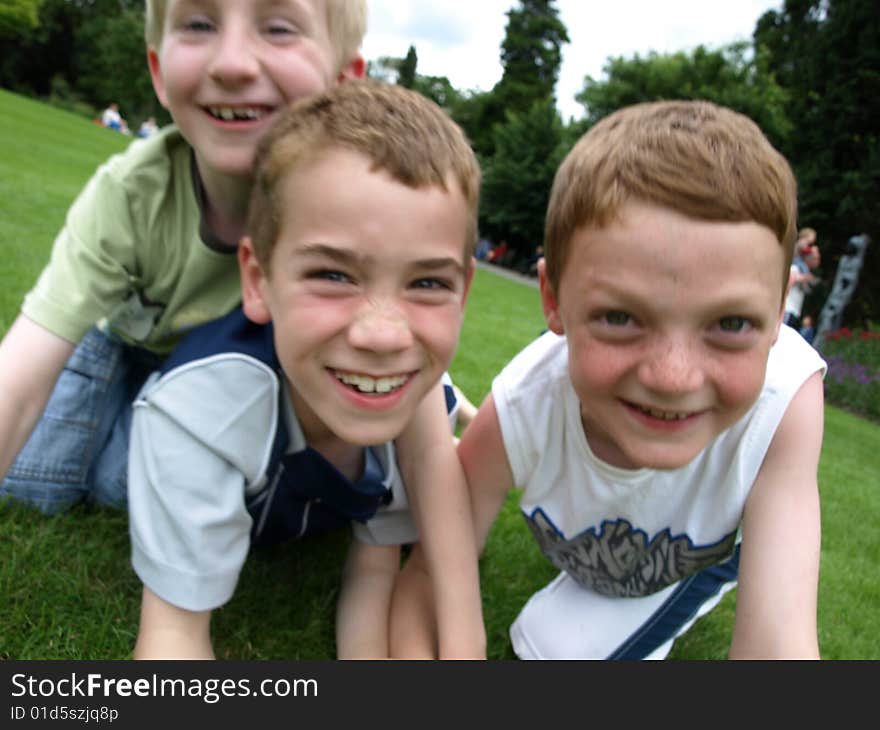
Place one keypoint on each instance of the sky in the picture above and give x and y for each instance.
(461, 39)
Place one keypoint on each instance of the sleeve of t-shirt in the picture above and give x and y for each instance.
(201, 440)
(92, 259)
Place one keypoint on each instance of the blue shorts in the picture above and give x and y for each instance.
(78, 450)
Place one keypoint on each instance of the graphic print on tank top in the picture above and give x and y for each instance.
(620, 561)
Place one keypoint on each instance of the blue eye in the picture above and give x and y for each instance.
(733, 324)
(617, 319)
(330, 275)
(430, 284)
(280, 29)
(198, 25)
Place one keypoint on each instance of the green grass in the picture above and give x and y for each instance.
(67, 590)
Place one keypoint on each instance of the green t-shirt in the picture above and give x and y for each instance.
(132, 256)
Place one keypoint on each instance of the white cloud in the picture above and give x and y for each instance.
(461, 39)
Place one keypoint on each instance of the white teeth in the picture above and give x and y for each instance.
(230, 114)
(367, 384)
(664, 415)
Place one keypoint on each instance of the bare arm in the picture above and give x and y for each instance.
(169, 632)
(31, 359)
(364, 605)
(486, 468)
(438, 493)
(779, 564)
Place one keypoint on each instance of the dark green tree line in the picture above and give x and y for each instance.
(82, 54)
(810, 78)
(826, 54)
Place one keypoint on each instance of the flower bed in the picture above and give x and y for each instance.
(853, 379)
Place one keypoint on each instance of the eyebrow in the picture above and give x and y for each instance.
(351, 257)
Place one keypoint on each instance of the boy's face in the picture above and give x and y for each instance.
(226, 67)
(366, 292)
(669, 322)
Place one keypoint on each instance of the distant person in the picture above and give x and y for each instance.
(666, 432)
(808, 329)
(359, 254)
(497, 255)
(806, 259)
(147, 251)
(484, 247)
(111, 118)
(148, 128)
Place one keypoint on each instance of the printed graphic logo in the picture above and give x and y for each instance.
(621, 561)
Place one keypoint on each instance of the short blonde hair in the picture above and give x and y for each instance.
(398, 130)
(346, 26)
(699, 159)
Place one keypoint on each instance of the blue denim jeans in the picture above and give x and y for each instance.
(79, 448)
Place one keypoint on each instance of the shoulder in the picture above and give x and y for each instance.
(533, 397)
(791, 361)
(540, 363)
(231, 334)
(150, 166)
(224, 397)
(535, 382)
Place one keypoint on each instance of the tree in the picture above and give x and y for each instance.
(728, 76)
(531, 56)
(83, 54)
(827, 54)
(18, 16)
(518, 178)
(110, 63)
(406, 75)
(31, 59)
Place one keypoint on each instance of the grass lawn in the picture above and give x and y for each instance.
(67, 590)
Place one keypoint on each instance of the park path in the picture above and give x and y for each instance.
(509, 274)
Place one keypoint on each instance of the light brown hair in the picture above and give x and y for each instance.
(699, 159)
(346, 26)
(398, 130)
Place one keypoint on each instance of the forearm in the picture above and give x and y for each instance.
(169, 632)
(447, 539)
(364, 606)
(31, 359)
(438, 608)
(172, 644)
(781, 540)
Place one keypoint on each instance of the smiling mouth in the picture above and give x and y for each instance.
(661, 415)
(237, 114)
(370, 385)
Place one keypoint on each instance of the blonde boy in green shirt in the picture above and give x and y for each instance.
(148, 248)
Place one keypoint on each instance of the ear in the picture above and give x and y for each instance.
(253, 284)
(156, 75)
(548, 301)
(356, 68)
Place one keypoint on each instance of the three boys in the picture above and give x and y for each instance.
(682, 409)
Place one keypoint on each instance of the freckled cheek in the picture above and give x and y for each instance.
(739, 387)
(437, 330)
(593, 374)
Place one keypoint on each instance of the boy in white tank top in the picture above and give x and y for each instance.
(666, 431)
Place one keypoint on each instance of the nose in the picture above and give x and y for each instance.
(235, 60)
(380, 326)
(672, 367)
